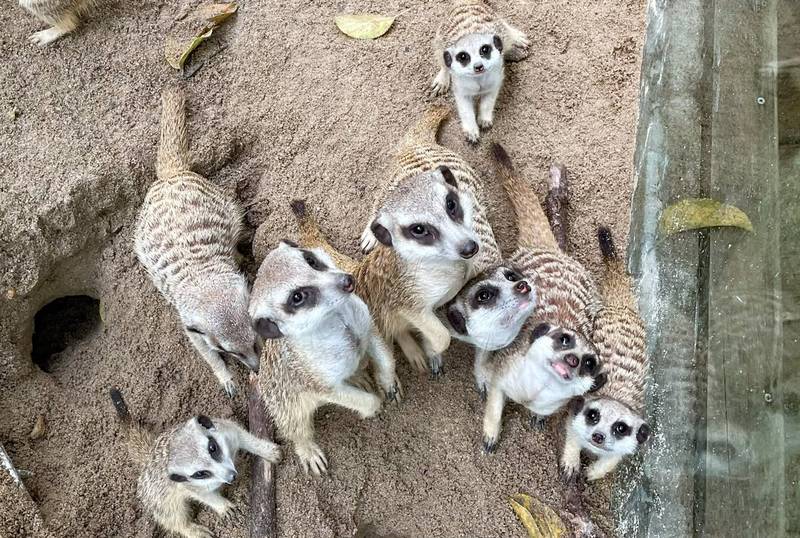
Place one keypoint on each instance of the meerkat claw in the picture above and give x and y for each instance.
(485, 124)
(489, 445)
(568, 475)
(230, 389)
(538, 423)
(437, 366)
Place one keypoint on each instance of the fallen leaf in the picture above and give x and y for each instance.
(694, 213)
(363, 26)
(206, 19)
(538, 519)
(101, 309)
(39, 428)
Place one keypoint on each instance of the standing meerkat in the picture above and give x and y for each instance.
(186, 236)
(469, 48)
(552, 359)
(319, 336)
(610, 423)
(427, 237)
(62, 15)
(188, 463)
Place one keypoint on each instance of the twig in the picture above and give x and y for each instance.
(6, 463)
(263, 508)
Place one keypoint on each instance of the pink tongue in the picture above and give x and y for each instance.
(561, 369)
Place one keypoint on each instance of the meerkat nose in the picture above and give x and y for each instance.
(522, 288)
(347, 283)
(469, 249)
(233, 476)
(479, 68)
(598, 438)
(572, 360)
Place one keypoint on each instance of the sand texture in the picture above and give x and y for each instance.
(283, 107)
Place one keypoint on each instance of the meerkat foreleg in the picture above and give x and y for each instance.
(601, 467)
(214, 500)
(366, 404)
(516, 42)
(215, 362)
(571, 457)
(416, 357)
(60, 27)
(264, 449)
(493, 418)
(441, 82)
(384, 364)
(465, 104)
(479, 370)
(178, 522)
(486, 108)
(298, 427)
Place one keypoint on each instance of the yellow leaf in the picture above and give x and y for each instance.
(206, 19)
(216, 13)
(538, 519)
(364, 26)
(694, 213)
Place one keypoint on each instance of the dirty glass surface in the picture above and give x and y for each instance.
(720, 119)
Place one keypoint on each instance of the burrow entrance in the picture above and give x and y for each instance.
(61, 323)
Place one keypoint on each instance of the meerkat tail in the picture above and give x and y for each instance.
(173, 149)
(311, 236)
(424, 132)
(140, 441)
(533, 229)
(556, 204)
(616, 284)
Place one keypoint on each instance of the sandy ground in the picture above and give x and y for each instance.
(288, 108)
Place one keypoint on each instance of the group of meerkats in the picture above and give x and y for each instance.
(320, 327)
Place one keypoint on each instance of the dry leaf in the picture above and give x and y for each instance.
(208, 17)
(696, 213)
(538, 519)
(364, 26)
(39, 428)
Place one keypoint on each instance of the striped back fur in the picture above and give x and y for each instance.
(467, 17)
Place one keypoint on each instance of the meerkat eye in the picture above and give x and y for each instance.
(589, 362)
(213, 449)
(485, 50)
(593, 416)
(462, 58)
(200, 475)
(566, 339)
(313, 262)
(621, 429)
(450, 204)
(512, 276)
(297, 298)
(485, 296)
(419, 230)
(453, 207)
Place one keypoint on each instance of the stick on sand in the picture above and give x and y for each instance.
(5, 463)
(263, 509)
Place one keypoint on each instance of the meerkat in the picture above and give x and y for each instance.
(186, 236)
(469, 50)
(552, 358)
(62, 15)
(318, 336)
(189, 462)
(428, 235)
(610, 423)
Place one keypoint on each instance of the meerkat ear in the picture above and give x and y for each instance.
(498, 43)
(643, 433)
(381, 233)
(448, 59)
(539, 331)
(205, 422)
(177, 478)
(456, 319)
(289, 243)
(267, 328)
(599, 382)
(576, 405)
(195, 330)
(448, 176)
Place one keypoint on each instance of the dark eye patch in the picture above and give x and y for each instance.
(592, 416)
(213, 449)
(448, 59)
(205, 422)
(456, 319)
(484, 297)
(314, 262)
(195, 330)
(620, 429)
(304, 297)
(486, 51)
(589, 365)
(177, 477)
(200, 475)
(462, 58)
(512, 276)
(424, 234)
(452, 205)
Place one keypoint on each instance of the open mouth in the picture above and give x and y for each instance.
(595, 445)
(562, 370)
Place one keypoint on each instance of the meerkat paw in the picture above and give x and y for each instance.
(482, 389)
(361, 380)
(229, 387)
(472, 134)
(393, 392)
(570, 471)
(45, 37)
(372, 407)
(485, 123)
(490, 443)
(270, 452)
(538, 423)
(436, 364)
(198, 531)
(312, 458)
(368, 241)
(441, 83)
(596, 472)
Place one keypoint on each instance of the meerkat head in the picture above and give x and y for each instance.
(296, 289)
(607, 427)
(490, 309)
(474, 55)
(218, 314)
(425, 219)
(567, 356)
(200, 457)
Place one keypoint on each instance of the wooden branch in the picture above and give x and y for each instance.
(263, 507)
(6, 463)
(556, 204)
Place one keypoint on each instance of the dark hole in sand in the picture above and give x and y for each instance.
(61, 323)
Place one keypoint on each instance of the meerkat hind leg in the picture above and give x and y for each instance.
(180, 524)
(416, 357)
